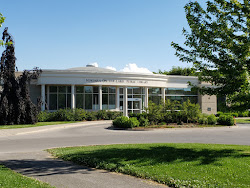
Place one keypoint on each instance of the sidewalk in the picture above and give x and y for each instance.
(20, 131)
(61, 174)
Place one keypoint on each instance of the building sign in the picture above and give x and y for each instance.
(87, 80)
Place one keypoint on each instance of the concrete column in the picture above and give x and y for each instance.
(100, 97)
(146, 97)
(43, 97)
(47, 97)
(117, 104)
(125, 101)
(73, 97)
(163, 94)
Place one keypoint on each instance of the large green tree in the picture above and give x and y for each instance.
(1, 22)
(218, 45)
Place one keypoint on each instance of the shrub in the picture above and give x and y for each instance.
(132, 122)
(63, 115)
(91, 116)
(44, 116)
(120, 122)
(113, 114)
(203, 119)
(102, 114)
(155, 113)
(243, 114)
(191, 111)
(125, 122)
(219, 113)
(226, 120)
(211, 119)
(143, 121)
(80, 114)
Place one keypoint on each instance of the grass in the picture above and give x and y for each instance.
(35, 125)
(10, 179)
(243, 121)
(177, 165)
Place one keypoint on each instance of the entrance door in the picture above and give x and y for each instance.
(134, 105)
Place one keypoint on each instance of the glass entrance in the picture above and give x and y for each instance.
(134, 105)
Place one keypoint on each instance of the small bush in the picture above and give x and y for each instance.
(113, 114)
(132, 122)
(80, 114)
(226, 120)
(143, 122)
(120, 122)
(44, 116)
(102, 114)
(203, 119)
(63, 115)
(91, 116)
(243, 114)
(211, 119)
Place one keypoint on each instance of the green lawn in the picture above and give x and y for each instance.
(10, 179)
(35, 125)
(178, 165)
(243, 121)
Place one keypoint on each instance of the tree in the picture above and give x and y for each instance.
(179, 71)
(15, 103)
(218, 46)
(1, 22)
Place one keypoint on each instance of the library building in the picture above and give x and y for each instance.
(94, 88)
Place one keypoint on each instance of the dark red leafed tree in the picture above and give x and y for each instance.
(15, 103)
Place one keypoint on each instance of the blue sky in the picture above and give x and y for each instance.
(59, 34)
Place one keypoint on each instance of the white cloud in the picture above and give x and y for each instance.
(111, 68)
(95, 64)
(132, 67)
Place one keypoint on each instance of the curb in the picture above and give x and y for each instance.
(30, 130)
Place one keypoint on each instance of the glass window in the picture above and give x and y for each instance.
(68, 101)
(155, 99)
(88, 89)
(180, 91)
(130, 90)
(88, 101)
(104, 98)
(111, 99)
(121, 105)
(61, 89)
(95, 99)
(69, 89)
(112, 89)
(62, 101)
(154, 90)
(53, 89)
(53, 101)
(79, 89)
(136, 96)
(136, 90)
(95, 89)
(105, 89)
(79, 100)
(121, 90)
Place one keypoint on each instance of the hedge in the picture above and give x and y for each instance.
(77, 114)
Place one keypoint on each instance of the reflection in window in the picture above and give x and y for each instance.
(87, 97)
(59, 97)
(154, 95)
(108, 97)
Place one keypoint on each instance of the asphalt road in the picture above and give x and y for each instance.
(22, 150)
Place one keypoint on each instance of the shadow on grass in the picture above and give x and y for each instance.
(153, 155)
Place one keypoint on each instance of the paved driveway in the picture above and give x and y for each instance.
(22, 149)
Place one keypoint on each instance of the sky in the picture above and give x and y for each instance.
(61, 34)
